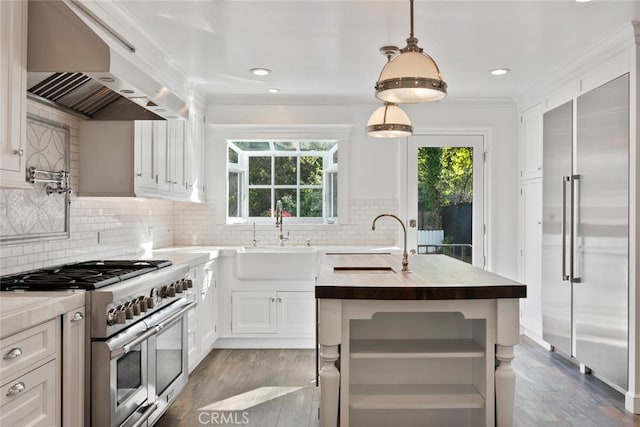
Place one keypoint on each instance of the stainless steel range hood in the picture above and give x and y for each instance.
(71, 66)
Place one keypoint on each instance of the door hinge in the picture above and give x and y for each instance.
(215, 328)
(484, 156)
(484, 261)
(521, 192)
(484, 228)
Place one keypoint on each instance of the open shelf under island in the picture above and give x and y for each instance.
(431, 347)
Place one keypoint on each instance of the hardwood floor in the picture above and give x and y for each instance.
(276, 388)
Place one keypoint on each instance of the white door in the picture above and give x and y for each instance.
(296, 313)
(253, 312)
(463, 192)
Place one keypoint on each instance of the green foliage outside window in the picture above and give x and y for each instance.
(445, 178)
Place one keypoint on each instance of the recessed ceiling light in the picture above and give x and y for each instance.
(126, 91)
(273, 90)
(260, 71)
(107, 79)
(499, 71)
(582, 1)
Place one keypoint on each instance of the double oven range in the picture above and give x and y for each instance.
(136, 355)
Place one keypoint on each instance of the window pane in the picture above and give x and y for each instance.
(310, 170)
(285, 171)
(289, 203)
(311, 202)
(334, 195)
(285, 146)
(233, 156)
(316, 145)
(253, 145)
(259, 170)
(259, 202)
(234, 198)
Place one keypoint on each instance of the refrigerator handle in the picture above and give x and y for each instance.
(575, 220)
(563, 227)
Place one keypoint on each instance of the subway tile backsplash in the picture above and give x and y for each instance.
(109, 227)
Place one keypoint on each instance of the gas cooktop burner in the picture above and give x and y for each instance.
(88, 275)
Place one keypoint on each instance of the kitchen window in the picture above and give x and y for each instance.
(303, 174)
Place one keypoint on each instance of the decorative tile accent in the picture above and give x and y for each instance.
(32, 214)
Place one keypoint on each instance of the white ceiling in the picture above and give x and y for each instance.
(325, 49)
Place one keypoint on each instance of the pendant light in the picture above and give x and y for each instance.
(389, 121)
(411, 77)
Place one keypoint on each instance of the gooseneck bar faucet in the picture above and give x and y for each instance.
(405, 256)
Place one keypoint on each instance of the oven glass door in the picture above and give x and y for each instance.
(170, 355)
(130, 371)
(119, 380)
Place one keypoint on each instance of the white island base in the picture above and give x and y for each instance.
(417, 362)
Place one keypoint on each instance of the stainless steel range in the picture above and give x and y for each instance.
(137, 333)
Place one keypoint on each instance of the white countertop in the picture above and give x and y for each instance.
(22, 310)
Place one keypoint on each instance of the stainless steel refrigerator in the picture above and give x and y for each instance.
(585, 233)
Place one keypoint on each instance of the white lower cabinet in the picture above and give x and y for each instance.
(31, 399)
(289, 314)
(203, 319)
(30, 376)
(73, 360)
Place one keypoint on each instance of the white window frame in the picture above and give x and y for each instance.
(217, 146)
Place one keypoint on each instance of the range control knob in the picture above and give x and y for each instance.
(150, 302)
(142, 303)
(135, 307)
(121, 317)
(164, 292)
(111, 317)
(189, 283)
(171, 290)
(180, 287)
(128, 311)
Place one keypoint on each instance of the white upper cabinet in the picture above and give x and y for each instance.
(13, 92)
(531, 142)
(151, 159)
(144, 162)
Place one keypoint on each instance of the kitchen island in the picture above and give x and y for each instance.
(430, 347)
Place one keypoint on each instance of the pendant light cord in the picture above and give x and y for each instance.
(411, 15)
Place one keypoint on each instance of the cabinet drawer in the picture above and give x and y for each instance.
(35, 405)
(25, 348)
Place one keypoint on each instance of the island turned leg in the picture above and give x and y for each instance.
(505, 386)
(329, 386)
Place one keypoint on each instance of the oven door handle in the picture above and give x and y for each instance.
(121, 351)
(148, 410)
(169, 320)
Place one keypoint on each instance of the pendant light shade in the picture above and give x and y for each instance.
(389, 121)
(411, 77)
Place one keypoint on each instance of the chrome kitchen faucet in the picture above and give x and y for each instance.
(405, 257)
(278, 214)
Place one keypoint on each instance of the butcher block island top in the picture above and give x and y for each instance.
(429, 347)
(432, 277)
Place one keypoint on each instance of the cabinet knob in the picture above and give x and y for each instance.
(139, 175)
(13, 353)
(18, 152)
(77, 317)
(279, 299)
(17, 388)
(273, 300)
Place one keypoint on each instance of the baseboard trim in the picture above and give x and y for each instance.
(632, 402)
(271, 343)
(535, 337)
